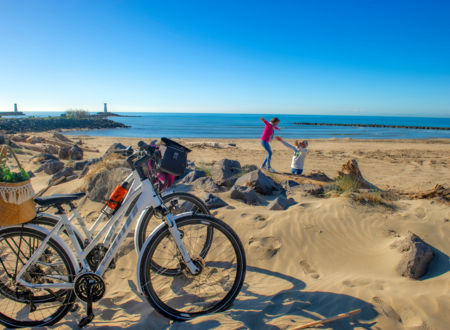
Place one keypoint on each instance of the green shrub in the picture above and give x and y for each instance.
(344, 184)
(76, 114)
(6, 175)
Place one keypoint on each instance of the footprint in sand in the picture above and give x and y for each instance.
(308, 270)
(356, 282)
(387, 309)
(265, 247)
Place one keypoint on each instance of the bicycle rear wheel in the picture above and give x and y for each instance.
(176, 203)
(21, 306)
(185, 295)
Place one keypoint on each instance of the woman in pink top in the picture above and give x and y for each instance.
(266, 138)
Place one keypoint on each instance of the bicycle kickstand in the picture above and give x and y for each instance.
(90, 315)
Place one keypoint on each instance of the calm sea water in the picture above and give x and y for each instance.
(198, 125)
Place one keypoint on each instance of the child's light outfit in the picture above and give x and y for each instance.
(298, 159)
(266, 137)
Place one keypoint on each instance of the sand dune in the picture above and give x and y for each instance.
(318, 258)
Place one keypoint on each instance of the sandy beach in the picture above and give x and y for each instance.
(320, 257)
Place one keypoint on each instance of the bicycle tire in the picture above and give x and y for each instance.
(185, 295)
(144, 230)
(24, 307)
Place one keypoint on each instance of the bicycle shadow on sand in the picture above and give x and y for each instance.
(288, 305)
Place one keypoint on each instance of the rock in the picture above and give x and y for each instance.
(64, 152)
(80, 165)
(281, 203)
(246, 194)
(249, 168)
(288, 184)
(42, 158)
(50, 148)
(192, 176)
(76, 153)
(113, 148)
(225, 172)
(213, 202)
(51, 166)
(417, 256)
(65, 172)
(259, 182)
(33, 139)
(319, 176)
(102, 183)
(84, 171)
(2, 139)
(206, 184)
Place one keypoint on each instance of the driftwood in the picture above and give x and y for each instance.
(330, 319)
(351, 169)
(439, 192)
(54, 183)
(65, 144)
(62, 138)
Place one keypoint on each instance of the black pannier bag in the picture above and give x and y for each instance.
(173, 157)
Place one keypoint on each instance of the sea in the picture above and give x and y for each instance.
(249, 126)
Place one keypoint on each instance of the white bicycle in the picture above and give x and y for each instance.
(190, 265)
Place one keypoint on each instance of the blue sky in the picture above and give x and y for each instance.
(301, 57)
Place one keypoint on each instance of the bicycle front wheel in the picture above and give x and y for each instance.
(21, 306)
(176, 203)
(185, 295)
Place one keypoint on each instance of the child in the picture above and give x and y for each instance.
(299, 156)
(266, 138)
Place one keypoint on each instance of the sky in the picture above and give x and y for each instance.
(359, 57)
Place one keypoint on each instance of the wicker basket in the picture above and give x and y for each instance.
(16, 203)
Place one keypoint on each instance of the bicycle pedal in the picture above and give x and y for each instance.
(86, 320)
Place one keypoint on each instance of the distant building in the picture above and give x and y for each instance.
(105, 109)
(15, 107)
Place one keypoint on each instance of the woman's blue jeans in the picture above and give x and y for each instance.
(266, 146)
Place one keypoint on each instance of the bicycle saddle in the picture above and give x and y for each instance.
(58, 199)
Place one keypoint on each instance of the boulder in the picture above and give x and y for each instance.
(417, 256)
(102, 183)
(259, 182)
(80, 165)
(64, 152)
(113, 148)
(65, 172)
(76, 153)
(51, 166)
(288, 184)
(212, 201)
(192, 176)
(225, 172)
(206, 184)
(50, 148)
(281, 203)
(246, 194)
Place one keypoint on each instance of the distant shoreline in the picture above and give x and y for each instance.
(375, 125)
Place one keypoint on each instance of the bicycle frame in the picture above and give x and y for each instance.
(148, 198)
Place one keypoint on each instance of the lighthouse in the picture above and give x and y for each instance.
(15, 107)
(105, 108)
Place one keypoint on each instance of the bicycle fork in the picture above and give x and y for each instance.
(178, 238)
